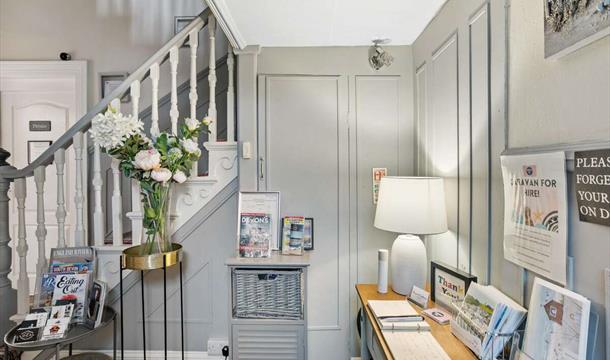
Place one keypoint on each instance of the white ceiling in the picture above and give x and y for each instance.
(328, 22)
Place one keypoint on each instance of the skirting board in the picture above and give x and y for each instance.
(137, 354)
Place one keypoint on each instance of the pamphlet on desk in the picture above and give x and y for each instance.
(405, 331)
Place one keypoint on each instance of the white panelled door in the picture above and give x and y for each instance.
(303, 143)
(38, 103)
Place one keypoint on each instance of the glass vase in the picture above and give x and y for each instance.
(155, 204)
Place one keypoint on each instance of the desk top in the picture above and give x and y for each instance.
(442, 333)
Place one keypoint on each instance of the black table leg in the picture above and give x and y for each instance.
(70, 349)
(165, 305)
(181, 314)
(114, 338)
(121, 297)
(143, 315)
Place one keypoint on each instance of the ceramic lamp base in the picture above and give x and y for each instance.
(408, 263)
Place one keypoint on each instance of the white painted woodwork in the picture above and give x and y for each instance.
(41, 230)
(212, 78)
(136, 215)
(23, 284)
(98, 212)
(117, 206)
(231, 95)
(60, 161)
(79, 229)
(154, 78)
(173, 112)
(193, 44)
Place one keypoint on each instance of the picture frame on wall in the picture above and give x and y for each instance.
(448, 284)
(308, 232)
(260, 206)
(110, 81)
(180, 22)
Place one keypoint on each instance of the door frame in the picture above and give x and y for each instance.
(40, 70)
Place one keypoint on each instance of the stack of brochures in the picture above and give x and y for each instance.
(484, 319)
(397, 315)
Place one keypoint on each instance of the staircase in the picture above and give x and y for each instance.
(187, 199)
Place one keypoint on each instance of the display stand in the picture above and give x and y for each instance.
(131, 260)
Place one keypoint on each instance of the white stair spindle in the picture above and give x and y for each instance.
(154, 78)
(193, 43)
(98, 212)
(230, 97)
(135, 98)
(41, 230)
(117, 205)
(212, 78)
(79, 231)
(136, 214)
(60, 161)
(23, 283)
(173, 112)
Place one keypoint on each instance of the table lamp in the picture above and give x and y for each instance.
(410, 206)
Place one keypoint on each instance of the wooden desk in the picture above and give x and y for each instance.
(442, 333)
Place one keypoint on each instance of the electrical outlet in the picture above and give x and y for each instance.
(215, 346)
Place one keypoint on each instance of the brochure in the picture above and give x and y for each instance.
(255, 235)
(558, 323)
(439, 315)
(292, 235)
(71, 289)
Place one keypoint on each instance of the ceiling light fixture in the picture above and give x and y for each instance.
(378, 56)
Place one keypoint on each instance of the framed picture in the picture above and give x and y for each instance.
(111, 81)
(308, 234)
(448, 284)
(260, 207)
(180, 22)
(36, 148)
(292, 235)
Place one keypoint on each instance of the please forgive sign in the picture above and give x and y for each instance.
(592, 185)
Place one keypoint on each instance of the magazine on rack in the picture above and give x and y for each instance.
(292, 235)
(254, 235)
(486, 311)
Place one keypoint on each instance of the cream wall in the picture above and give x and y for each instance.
(554, 101)
(113, 36)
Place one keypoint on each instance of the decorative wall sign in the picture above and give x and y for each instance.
(36, 148)
(592, 185)
(40, 125)
(109, 82)
(570, 25)
(378, 173)
(448, 284)
(535, 213)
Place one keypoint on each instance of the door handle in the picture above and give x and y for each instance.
(261, 169)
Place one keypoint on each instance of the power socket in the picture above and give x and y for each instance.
(215, 346)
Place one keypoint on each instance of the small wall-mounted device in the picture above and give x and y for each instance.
(65, 56)
(246, 151)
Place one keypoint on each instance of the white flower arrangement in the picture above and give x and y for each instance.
(155, 163)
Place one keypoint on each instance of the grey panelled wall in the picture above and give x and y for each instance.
(459, 87)
(208, 239)
(497, 85)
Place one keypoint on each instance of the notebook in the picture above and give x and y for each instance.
(397, 315)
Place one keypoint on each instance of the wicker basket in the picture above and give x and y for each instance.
(267, 294)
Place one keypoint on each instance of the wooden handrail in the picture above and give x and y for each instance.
(84, 123)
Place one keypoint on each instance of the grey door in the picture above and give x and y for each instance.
(303, 149)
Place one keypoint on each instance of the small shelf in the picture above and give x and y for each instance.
(276, 260)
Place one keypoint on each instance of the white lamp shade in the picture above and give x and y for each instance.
(411, 205)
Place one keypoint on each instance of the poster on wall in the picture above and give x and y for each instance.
(592, 185)
(535, 213)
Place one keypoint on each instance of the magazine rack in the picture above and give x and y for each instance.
(132, 260)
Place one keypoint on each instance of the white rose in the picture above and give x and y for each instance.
(192, 124)
(179, 177)
(161, 175)
(190, 146)
(207, 121)
(147, 159)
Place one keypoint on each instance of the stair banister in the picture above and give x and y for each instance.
(84, 123)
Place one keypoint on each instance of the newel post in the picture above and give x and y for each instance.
(8, 296)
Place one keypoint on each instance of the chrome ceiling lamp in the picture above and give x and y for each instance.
(378, 56)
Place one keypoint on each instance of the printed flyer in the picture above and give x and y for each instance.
(535, 213)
